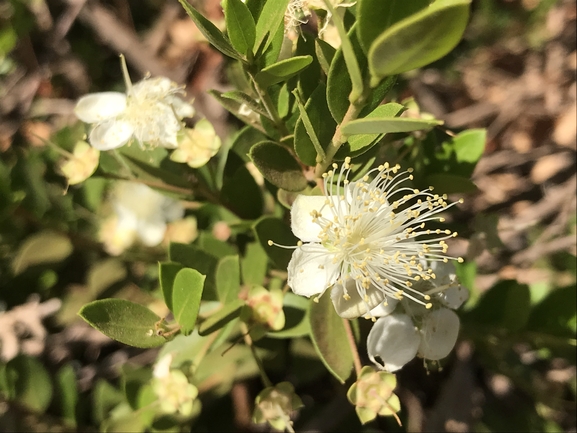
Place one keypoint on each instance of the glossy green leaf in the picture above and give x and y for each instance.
(166, 274)
(30, 383)
(253, 264)
(325, 53)
(221, 317)
(228, 279)
(446, 183)
(193, 257)
(210, 31)
(270, 228)
(186, 295)
(321, 125)
(418, 39)
(282, 71)
(278, 166)
(270, 20)
(67, 393)
(375, 16)
(329, 337)
(360, 143)
(384, 125)
(236, 108)
(41, 249)
(507, 305)
(123, 321)
(239, 25)
(469, 145)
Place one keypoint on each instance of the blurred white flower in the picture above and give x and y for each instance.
(196, 145)
(139, 213)
(174, 392)
(150, 112)
(412, 330)
(365, 238)
(81, 164)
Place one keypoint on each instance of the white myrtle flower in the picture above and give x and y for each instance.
(412, 330)
(366, 238)
(139, 213)
(150, 112)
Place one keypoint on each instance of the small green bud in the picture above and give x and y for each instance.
(275, 405)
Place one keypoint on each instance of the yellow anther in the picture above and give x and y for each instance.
(428, 306)
(270, 243)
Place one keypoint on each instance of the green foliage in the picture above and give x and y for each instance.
(186, 295)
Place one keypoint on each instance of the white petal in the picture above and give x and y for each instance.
(311, 270)
(455, 296)
(110, 134)
(302, 223)
(96, 107)
(151, 233)
(439, 334)
(395, 340)
(181, 108)
(382, 310)
(172, 209)
(355, 306)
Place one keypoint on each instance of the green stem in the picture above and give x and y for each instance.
(124, 164)
(270, 107)
(265, 380)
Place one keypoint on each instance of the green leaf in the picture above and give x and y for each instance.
(385, 125)
(469, 145)
(210, 31)
(418, 39)
(278, 166)
(228, 279)
(243, 98)
(297, 323)
(220, 318)
(445, 183)
(219, 249)
(358, 144)
(325, 53)
(269, 22)
(253, 264)
(166, 274)
(329, 337)
(123, 321)
(321, 125)
(375, 16)
(67, 393)
(245, 139)
(556, 313)
(239, 25)
(193, 257)
(235, 107)
(507, 305)
(41, 249)
(105, 397)
(270, 228)
(241, 194)
(30, 383)
(282, 71)
(186, 296)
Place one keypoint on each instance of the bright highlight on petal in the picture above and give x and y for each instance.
(96, 107)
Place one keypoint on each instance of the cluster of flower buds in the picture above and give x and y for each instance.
(275, 405)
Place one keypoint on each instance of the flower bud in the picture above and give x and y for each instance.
(197, 145)
(81, 165)
(174, 392)
(372, 394)
(264, 307)
(275, 405)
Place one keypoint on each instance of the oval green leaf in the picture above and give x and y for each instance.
(271, 228)
(123, 321)
(29, 382)
(330, 339)
(186, 295)
(282, 71)
(386, 125)
(278, 166)
(41, 248)
(239, 25)
(418, 39)
(223, 316)
(228, 279)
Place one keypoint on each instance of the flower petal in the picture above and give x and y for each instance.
(439, 334)
(311, 270)
(96, 107)
(110, 134)
(455, 296)
(395, 340)
(354, 306)
(151, 233)
(181, 108)
(302, 223)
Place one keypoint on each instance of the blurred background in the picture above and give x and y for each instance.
(513, 74)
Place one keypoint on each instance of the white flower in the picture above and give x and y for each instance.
(174, 392)
(150, 112)
(368, 239)
(140, 212)
(196, 146)
(397, 338)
